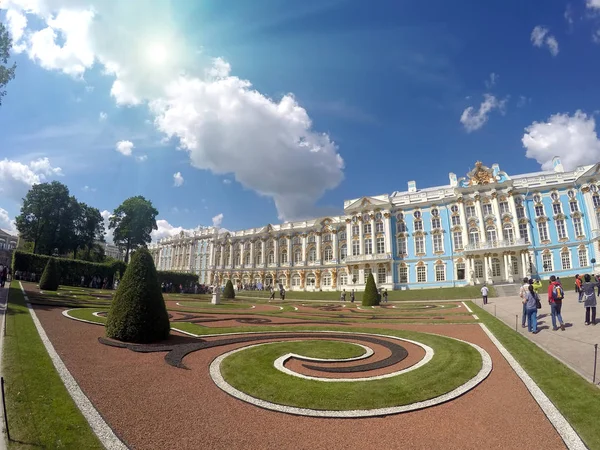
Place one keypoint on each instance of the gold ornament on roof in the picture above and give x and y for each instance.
(480, 175)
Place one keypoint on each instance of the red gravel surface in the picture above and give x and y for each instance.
(152, 405)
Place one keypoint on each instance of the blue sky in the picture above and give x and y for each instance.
(346, 100)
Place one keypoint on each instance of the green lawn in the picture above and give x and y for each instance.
(577, 399)
(252, 371)
(40, 412)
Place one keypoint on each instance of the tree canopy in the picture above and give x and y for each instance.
(133, 222)
(7, 73)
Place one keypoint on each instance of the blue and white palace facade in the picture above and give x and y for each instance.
(486, 227)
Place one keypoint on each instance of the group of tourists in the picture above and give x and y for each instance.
(529, 293)
(281, 292)
(382, 293)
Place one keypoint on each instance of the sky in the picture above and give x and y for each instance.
(240, 114)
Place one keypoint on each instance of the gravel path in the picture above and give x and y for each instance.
(152, 405)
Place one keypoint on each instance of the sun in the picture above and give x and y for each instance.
(157, 54)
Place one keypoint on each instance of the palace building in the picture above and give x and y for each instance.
(486, 227)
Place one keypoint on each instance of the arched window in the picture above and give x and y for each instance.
(284, 257)
(238, 259)
(311, 238)
(297, 256)
(565, 259)
(507, 233)
(296, 280)
(327, 237)
(326, 279)
(311, 280)
(247, 259)
(583, 260)
(259, 258)
(312, 255)
(342, 236)
(401, 227)
(495, 267)
(381, 275)
(473, 236)
(547, 262)
(343, 252)
(328, 253)
(490, 233)
(478, 267)
(440, 272)
(271, 258)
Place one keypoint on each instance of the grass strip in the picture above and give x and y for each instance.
(40, 411)
(576, 398)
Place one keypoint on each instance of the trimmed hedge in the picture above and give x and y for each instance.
(370, 296)
(228, 292)
(138, 312)
(177, 278)
(70, 270)
(50, 278)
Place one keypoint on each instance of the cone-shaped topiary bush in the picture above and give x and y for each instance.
(50, 277)
(228, 292)
(138, 312)
(370, 296)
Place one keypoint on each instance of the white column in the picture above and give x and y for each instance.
(318, 239)
(387, 228)
(463, 225)
(276, 251)
(348, 232)
(506, 263)
(230, 254)
(222, 256)
(373, 239)
(590, 210)
(470, 268)
(335, 245)
(304, 237)
(361, 234)
(485, 268)
(479, 212)
(513, 210)
(289, 249)
(263, 252)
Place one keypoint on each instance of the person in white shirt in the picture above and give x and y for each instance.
(484, 294)
(523, 295)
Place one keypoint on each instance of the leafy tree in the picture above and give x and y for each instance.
(46, 218)
(6, 73)
(133, 222)
(228, 292)
(138, 312)
(88, 228)
(50, 277)
(370, 296)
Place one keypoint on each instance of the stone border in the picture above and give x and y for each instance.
(486, 368)
(67, 315)
(558, 421)
(97, 423)
(280, 363)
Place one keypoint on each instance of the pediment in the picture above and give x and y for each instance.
(367, 203)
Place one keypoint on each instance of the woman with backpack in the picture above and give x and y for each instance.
(555, 298)
(589, 299)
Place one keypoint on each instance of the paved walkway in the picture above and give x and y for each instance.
(574, 346)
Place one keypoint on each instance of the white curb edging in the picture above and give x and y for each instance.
(100, 428)
(69, 316)
(558, 421)
(468, 309)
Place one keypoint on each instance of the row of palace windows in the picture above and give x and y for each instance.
(565, 260)
(421, 273)
(296, 240)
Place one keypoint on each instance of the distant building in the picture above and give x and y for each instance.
(8, 243)
(112, 251)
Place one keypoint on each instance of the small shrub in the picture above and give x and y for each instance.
(50, 277)
(228, 292)
(370, 296)
(138, 312)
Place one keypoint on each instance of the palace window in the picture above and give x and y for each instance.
(368, 246)
(419, 245)
(537, 198)
(577, 227)
(436, 223)
(470, 211)
(478, 268)
(596, 200)
(296, 280)
(557, 208)
(539, 210)
(403, 274)
(417, 214)
(355, 230)
(282, 242)
(381, 275)
(326, 279)
(271, 258)
(354, 275)
(547, 262)
(379, 226)
(454, 209)
(495, 267)
(435, 212)
(438, 246)
(311, 239)
(238, 259)
(380, 245)
(355, 248)
(487, 209)
(400, 216)
(296, 240)
(259, 258)
(523, 231)
(598, 217)
(311, 280)
(327, 237)
(455, 220)
(328, 253)
(593, 188)
(574, 206)
(554, 196)
(247, 259)
(543, 231)
(583, 260)
(343, 252)
(490, 233)
(401, 227)
(504, 208)
(343, 279)
(473, 236)
(520, 212)
(418, 225)
(507, 233)
(565, 260)
(440, 272)
(367, 228)
(421, 274)
(284, 257)
(312, 255)
(366, 274)
(342, 236)
(457, 239)
(402, 247)
(297, 256)
(561, 229)
(460, 271)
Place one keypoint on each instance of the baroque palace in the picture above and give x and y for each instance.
(487, 227)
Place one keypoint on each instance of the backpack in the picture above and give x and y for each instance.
(557, 292)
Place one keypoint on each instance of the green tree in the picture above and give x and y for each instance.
(228, 292)
(133, 222)
(46, 218)
(88, 228)
(138, 312)
(50, 279)
(6, 73)
(370, 296)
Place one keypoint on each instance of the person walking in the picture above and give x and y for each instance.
(589, 298)
(484, 294)
(523, 294)
(272, 297)
(352, 296)
(343, 296)
(385, 296)
(555, 298)
(530, 303)
(578, 290)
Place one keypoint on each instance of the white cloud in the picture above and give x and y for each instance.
(596, 36)
(492, 80)
(124, 147)
(16, 178)
(141, 158)
(220, 120)
(177, 179)
(593, 4)
(103, 116)
(109, 233)
(540, 36)
(475, 119)
(89, 189)
(226, 181)
(16, 24)
(217, 220)
(165, 229)
(7, 223)
(572, 138)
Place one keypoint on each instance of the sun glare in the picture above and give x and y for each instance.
(157, 54)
